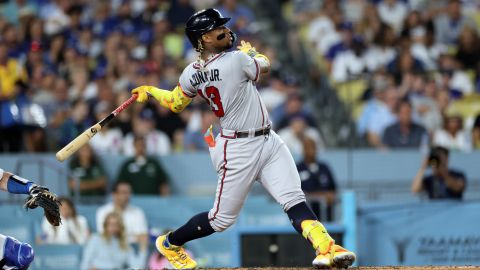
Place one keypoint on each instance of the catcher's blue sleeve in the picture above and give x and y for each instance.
(15, 254)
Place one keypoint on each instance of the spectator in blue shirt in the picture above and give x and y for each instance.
(318, 182)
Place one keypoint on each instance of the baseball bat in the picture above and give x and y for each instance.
(83, 138)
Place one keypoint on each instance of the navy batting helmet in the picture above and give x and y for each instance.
(202, 22)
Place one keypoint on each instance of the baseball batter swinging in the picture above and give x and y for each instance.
(246, 150)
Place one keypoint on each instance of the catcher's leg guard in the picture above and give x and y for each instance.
(15, 253)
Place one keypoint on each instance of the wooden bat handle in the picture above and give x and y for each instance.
(83, 138)
(78, 142)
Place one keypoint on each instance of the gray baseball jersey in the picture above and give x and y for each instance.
(227, 83)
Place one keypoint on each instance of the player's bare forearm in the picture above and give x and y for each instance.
(174, 100)
(4, 180)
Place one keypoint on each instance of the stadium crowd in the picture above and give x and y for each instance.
(410, 69)
(412, 65)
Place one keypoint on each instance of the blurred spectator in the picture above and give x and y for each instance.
(133, 217)
(55, 16)
(393, 12)
(72, 230)
(110, 249)
(382, 51)
(81, 87)
(75, 124)
(292, 106)
(10, 72)
(424, 47)
(350, 64)
(379, 114)
(318, 182)
(193, 139)
(144, 173)
(452, 136)
(179, 12)
(109, 140)
(404, 63)
(157, 142)
(443, 183)
(405, 133)
(468, 53)
(296, 132)
(476, 133)
(242, 16)
(453, 78)
(426, 107)
(88, 175)
(449, 25)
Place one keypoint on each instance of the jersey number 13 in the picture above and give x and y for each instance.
(212, 96)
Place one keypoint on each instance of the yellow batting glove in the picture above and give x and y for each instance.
(247, 48)
(142, 92)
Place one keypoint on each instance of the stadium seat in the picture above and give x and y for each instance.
(89, 212)
(57, 257)
(20, 227)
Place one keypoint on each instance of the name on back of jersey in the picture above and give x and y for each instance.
(200, 77)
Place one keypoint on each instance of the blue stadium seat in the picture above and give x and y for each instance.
(20, 227)
(57, 257)
(89, 212)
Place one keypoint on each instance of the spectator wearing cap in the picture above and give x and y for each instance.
(404, 133)
(157, 142)
(347, 38)
(108, 140)
(449, 25)
(144, 173)
(297, 130)
(452, 136)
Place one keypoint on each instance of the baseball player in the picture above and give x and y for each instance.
(246, 150)
(13, 253)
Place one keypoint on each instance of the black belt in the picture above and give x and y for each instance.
(260, 132)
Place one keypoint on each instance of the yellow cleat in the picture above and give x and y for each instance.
(342, 258)
(321, 241)
(176, 255)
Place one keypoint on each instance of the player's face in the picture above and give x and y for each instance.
(219, 38)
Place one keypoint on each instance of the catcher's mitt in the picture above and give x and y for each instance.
(40, 196)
